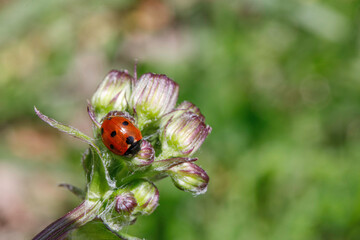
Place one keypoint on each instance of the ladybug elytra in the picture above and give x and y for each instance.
(120, 135)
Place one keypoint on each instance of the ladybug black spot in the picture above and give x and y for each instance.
(125, 123)
(111, 146)
(113, 134)
(102, 131)
(129, 140)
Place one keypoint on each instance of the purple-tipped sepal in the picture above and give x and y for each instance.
(190, 107)
(113, 93)
(189, 177)
(153, 96)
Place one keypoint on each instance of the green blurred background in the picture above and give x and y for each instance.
(277, 80)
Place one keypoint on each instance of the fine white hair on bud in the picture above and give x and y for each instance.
(153, 96)
(125, 203)
(189, 177)
(183, 134)
(113, 93)
(146, 195)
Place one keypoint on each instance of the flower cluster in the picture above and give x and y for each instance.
(121, 188)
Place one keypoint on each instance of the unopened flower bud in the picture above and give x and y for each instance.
(183, 134)
(125, 203)
(145, 156)
(190, 107)
(146, 195)
(189, 177)
(153, 96)
(119, 209)
(112, 93)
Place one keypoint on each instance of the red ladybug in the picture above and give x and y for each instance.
(120, 135)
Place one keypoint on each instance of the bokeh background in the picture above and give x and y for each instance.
(279, 82)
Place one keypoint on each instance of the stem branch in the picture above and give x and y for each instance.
(77, 217)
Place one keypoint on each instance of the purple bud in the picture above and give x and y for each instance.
(145, 156)
(189, 177)
(125, 203)
(153, 96)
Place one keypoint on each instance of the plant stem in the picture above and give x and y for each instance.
(80, 215)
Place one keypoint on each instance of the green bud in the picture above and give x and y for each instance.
(118, 210)
(189, 177)
(153, 96)
(146, 195)
(113, 93)
(182, 133)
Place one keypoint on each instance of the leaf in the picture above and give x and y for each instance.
(98, 179)
(64, 128)
(75, 190)
(91, 112)
(99, 174)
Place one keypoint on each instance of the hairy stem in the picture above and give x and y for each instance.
(79, 216)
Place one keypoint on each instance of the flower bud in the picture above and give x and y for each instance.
(146, 195)
(189, 177)
(125, 203)
(145, 156)
(153, 96)
(183, 134)
(118, 210)
(190, 107)
(112, 93)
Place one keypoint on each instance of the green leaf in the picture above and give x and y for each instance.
(97, 174)
(75, 190)
(97, 178)
(66, 129)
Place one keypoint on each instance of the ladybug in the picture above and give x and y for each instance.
(120, 135)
